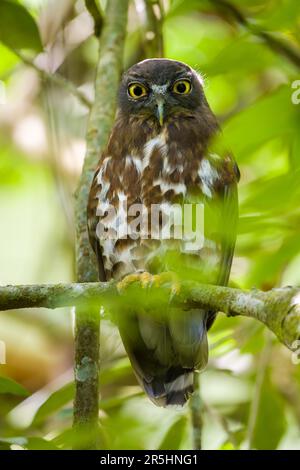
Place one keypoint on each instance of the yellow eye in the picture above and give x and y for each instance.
(182, 87)
(137, 90)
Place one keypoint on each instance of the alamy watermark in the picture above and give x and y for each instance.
(159, 222)
(296, 93)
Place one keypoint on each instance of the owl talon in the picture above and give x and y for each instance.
(148, 280)
(145, 279)
(127, 281)
(167, 277)
(175, 288)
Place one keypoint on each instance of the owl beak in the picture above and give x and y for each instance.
(160, 112)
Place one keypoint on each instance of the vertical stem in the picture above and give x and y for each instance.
(262, 368)
(86, 403)
(196, 407)
(154, 43)
(87, 327)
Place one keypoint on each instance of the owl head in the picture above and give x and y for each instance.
(160, 88)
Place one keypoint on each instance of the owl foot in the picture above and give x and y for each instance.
(145, 279)
(149, 280)
(127, 281)
(165, 278)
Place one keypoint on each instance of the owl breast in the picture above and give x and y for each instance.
(137, 196)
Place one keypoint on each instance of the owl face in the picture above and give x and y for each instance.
(160, 88)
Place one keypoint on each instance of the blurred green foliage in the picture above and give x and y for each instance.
(251, 388)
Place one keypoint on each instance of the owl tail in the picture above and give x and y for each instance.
(174, 388)
(165, 354)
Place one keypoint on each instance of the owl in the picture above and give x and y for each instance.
(165, 151)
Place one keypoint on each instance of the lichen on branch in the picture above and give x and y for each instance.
(87, 318)
(278, 309)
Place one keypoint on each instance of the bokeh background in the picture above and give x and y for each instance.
(249, 54)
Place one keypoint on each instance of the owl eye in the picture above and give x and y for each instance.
(182, 87)
(137, 90)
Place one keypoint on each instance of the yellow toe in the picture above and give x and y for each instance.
(146, 280)
(127, 281)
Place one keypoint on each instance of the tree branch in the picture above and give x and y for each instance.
(96, 13)
(154, 23)
(196, 407)
(87, 325)
(278, 309)
(100, 122)
(278, 45)
(262, 365)
(56, 79)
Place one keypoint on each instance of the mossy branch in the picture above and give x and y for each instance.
(278, 309)
(87, 319)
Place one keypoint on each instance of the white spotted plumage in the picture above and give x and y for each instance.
(160, 153)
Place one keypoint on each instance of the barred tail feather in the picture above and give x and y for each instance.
(164, 355)
(173, 392)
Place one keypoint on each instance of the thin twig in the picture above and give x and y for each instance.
(154, 29)
(261, 372)
(56, 79)
(223, 422)
(277, 44)
(196, 407)
(94, 10)
(87, 318)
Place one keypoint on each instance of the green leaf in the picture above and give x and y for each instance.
(227, 446)
(6, 442)
(282, 18)
(270, 117)
(115, 371)
(271, 422)
(74, 438)
(56, 401)
(295, 152)
(182, 7)
(273, 194)
(30, 443)
(175, 435)
(10, 386)
(18, 30)
(116, 402)
(269, 267)
(252, 338)
(245, 55)
(38, 443)
(8, 61)
(64, 395)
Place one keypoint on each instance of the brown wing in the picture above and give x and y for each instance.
(92, 222)
(228, 229)
(229, 220)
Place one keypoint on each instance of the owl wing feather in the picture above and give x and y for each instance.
(165, 354)
(92, 221)
(229, 219)
(228, 229)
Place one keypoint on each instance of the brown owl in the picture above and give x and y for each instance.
(162, 155)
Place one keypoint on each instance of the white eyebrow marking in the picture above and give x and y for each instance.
(162, 89)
